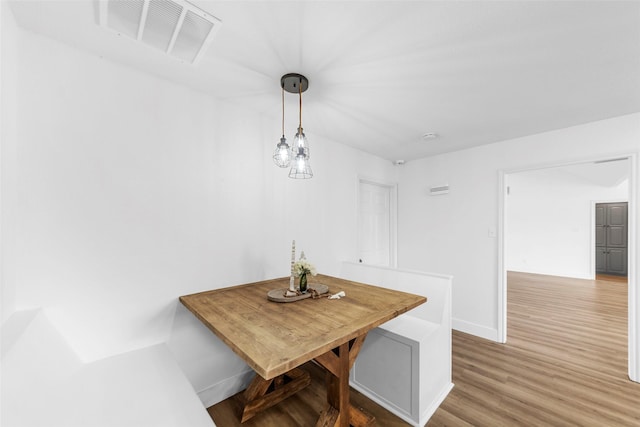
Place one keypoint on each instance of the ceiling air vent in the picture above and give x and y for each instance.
(436, 191)
(174, 26)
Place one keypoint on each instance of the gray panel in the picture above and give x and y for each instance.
(617, 214)
(617, 261)
(617, 225)
(617, 237)
(601, 215)
(601, 260)
(601, 239)
(601, 218)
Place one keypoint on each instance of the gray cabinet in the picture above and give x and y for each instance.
(611, 238)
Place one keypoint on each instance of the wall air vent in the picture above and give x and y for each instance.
(436, 191)
(174, 26)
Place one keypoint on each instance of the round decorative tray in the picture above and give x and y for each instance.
(277, 295)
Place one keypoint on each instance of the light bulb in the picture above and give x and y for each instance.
(300, 143)
(282, 154)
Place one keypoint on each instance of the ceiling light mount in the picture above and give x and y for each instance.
(294, 83)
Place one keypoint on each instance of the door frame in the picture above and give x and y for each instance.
(592, 270)
(393, 217)
(633, 284)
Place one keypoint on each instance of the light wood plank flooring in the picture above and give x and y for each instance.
(565, 364)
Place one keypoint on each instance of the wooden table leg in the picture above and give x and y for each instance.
(339, 412)
(262, 394)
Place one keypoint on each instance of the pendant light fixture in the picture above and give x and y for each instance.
(282, 155)
(298, 154)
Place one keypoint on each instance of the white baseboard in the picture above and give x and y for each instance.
(474, 329)
(428, 413)
(424, 417)
(226, 388)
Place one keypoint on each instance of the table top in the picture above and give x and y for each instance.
(274, 338)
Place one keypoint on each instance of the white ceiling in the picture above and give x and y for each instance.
(383, 73)
(607, 173)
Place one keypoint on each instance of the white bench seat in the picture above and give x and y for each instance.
(405, 363)
(45, 384)
(410, 327)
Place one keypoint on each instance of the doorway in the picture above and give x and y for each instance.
(503, 250)
(376, 223)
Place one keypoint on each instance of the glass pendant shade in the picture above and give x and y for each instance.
(300, 142)
(282, 154)
(301, 169)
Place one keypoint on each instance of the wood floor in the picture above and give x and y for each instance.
(565, 364)
(565, 361)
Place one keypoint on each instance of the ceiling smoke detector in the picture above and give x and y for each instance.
(174, 26)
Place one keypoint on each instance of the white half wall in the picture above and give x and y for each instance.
(549, 216)
(458, 233)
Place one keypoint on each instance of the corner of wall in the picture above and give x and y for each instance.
(475, 329)
(226, 388)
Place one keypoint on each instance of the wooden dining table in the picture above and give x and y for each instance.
(275, 338)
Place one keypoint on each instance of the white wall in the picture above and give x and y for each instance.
(450, 234)
(131, 191)
(549, 216)
(9, 35)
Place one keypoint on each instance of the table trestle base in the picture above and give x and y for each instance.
(262, 394)
(339, 412)
(330, 417)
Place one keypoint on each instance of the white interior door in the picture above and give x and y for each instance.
(375, 224)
